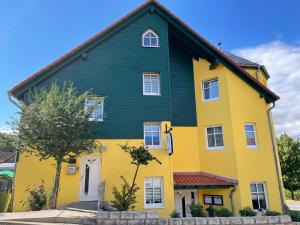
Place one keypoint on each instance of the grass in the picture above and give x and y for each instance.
(288, 195)
(4, 200)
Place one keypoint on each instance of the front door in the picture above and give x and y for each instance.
(89, 178)
(183, 198)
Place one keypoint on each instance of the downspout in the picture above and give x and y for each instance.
(275, 156)
(231, 198)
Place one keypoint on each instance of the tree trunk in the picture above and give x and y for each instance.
(134, 178)
(292, 194)
(54, 193)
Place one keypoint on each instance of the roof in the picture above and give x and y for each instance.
(245, 63)
(201, 179)
(151, 5)
(5, 156)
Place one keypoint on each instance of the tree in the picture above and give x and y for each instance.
(289, 157)
(8, 142)
(54, 125)
(126, 198)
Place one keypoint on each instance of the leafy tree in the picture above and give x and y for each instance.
(126, 198)
(8, 142)
(54, 125)
(289, 156)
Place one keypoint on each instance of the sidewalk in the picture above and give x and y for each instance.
(293, 205)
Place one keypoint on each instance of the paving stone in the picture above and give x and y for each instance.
(151, 221)
(273, 219)
(248, 220)
(127, 215)
(188, 221)
(152, 215)
(261, 220)
(102, 214)
(139, 215)
(108, 222)
(201, 220)
(224, 220)
(235, 220)
(285, 219)
(175, 221)
(115, 215)
(213, 220)
(136, 222)
(121, 222)
(163, 221)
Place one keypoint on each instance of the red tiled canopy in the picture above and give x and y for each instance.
(201, 179)
(4, 156)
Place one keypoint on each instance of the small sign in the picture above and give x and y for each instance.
(213, 199)
(72, 169)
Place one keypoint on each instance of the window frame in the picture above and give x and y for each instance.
(255, 135)
(150, 46)
(257, 192)
(92, 119)
(154, 205)
(158, 78)
(218, 147)
(152, 146)
(203, 95)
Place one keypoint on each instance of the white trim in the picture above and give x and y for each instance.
(158, 83)
(154, 205)
(255, 135)
(153, 146)
(265, 193)
(102, 109)
(206, 136)
(202, 90)
(150, 46)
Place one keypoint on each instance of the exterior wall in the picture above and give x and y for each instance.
(260, 75)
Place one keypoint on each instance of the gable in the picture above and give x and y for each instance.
(201, 47)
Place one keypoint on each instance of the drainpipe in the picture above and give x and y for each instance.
(231, 197)
(275, 156)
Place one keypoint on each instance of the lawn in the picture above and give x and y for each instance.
(288, 195)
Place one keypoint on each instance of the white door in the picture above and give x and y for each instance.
(183, 198)
(89, 178)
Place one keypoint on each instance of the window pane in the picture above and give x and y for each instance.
(218, 129)
(154, 42)
(219, 140)
(206, 85)
(260, 187)
(210, 130)
(251, 141)
(148, 138)
(147, 41)
(156, 138)
(262, 201)
(214, 83)
(249, 127)
(215, 92)
(206, 94)
(211, 140)
(255, 203)
(253, 187)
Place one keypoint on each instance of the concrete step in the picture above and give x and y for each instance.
(83, 206)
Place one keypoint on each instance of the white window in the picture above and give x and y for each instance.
(250, 135)
(214, 137)
(151, 84)
(152, 139)
(258, 194)
(150, 39)
(210, 90)
(153, 192)
(97, 114)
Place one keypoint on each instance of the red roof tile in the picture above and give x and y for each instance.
(201, 179)
(4, 156)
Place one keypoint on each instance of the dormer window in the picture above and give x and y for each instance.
(150, 39)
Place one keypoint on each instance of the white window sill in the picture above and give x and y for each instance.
(154, 147)
(211, 99)
(154, 206)
(252, 147)
(146, 46)
(151, 94)
(216, 148)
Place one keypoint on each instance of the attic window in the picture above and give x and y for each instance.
(150, 39)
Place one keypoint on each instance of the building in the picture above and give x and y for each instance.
(152, 72)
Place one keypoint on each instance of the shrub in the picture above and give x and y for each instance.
(272, 213)
(247, 211)
(295, 215)
(196, 210)
(126, 197)
(37, 197)
(223, 212)
(175, 214)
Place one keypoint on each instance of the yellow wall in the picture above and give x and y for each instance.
(259, 75)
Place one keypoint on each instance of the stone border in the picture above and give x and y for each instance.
(152, 218)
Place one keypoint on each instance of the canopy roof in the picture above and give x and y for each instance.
(201, 180)
(7, 173)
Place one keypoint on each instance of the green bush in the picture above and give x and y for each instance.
(295, 215)
(222, 212)
(196, 210)
(175, 214)
(272, 213)
(37, 197)
(247, 211)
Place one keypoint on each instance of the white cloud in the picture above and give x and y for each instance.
(283, 63)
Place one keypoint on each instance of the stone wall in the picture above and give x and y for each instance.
(152, 218)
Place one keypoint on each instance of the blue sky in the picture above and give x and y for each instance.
(34, 33)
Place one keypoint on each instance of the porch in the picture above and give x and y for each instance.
(204, 188)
